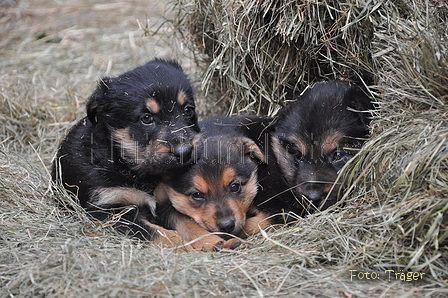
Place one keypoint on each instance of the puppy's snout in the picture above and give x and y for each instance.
(226, 225)
(314, 192)
(183, 151)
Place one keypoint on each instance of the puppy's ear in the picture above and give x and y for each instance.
(360, 102)
(252, 150)
(96, 99)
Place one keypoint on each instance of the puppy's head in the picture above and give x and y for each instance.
(315, 137)
(217, 191)
(149, 113)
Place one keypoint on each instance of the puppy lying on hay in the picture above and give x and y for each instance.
(217, 191)
(296, 157)
(139, 125)
(312, 139)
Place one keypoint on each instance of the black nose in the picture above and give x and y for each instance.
(226, 225)
(314, 192)
(183, 151)
(314, 196)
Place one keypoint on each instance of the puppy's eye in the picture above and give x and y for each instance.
(189, 111)
(294, 152)
(235, 187)
(338, 155)
(147, 119)
(298, 156)
(198, 196)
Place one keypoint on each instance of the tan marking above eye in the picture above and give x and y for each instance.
(181, 96)
(227, 176)
(152, 105)
(299, 144)
(200, 184)
(331, 141)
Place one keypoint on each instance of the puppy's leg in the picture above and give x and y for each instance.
(166, 237)
(201, 239)
(253, 224)
(138, 220)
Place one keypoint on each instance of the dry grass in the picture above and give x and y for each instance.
(395, 213)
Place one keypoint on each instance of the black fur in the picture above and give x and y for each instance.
(136, 130)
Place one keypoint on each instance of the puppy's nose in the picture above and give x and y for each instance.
(314, 193)
(226, 225)
(183, 151)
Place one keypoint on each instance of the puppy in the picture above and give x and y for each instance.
(314, 137)
(217, 192)
(139, 125)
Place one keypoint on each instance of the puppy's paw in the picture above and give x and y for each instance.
(214, 243)
(231, 243)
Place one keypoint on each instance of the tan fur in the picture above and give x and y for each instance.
(331, 141)
(124, 196)
(181, 97)
(166, 237)
(227, 176)
(129, 147)
(131, 151)
(251, 188)
(160, 147)
(255, 223)
(204, 216)
(201, 239)
(284, 159)
(251, 148)
(200, 184)
(152, 105)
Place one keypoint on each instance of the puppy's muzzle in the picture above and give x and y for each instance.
(226, 225)
(183, 152)
(314, 192)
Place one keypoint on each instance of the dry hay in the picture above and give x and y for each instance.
(256, 54)
(394, 216)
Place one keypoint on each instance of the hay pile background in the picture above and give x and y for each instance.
(395, 215)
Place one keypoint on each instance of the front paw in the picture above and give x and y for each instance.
(227, 244)
(214, 243)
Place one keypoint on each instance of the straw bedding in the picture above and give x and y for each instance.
(392, 220)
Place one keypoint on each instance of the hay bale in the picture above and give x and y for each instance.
(257, 54)
(261, 53)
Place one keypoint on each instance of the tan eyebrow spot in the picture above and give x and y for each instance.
(227, 176)
(331, 141)
(152, 105)
(200, 184)
(181, 97)
(302, 146)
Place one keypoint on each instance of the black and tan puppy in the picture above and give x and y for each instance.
(315, 136)
(216, 193)
(139, 125)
